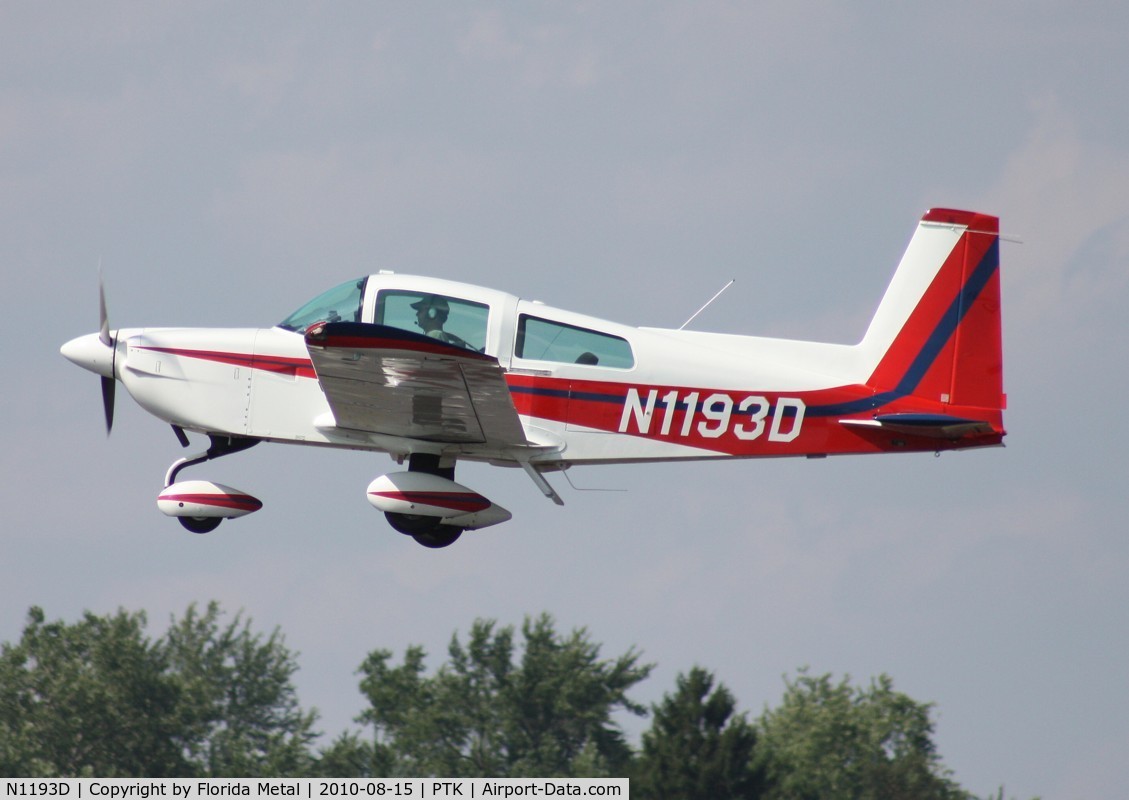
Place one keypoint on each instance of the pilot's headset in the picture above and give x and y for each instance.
(433, 307)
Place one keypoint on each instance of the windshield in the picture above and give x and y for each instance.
(340, 304)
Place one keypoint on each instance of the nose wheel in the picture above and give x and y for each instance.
(200, 524)
(200, 506)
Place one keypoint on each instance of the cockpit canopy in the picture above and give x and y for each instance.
(473, 317)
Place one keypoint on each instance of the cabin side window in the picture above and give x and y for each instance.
(546, 340)
(449, 319)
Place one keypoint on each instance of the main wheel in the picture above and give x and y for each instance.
(428, 531)
(200, 524)
(440, 538)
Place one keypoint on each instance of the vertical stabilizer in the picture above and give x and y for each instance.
(936, 334)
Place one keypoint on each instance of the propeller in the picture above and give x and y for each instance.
(109, 385)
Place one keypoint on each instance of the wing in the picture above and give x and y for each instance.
(389, 381)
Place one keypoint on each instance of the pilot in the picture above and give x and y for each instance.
(432, 311)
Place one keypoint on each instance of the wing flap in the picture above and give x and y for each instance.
(389, 381)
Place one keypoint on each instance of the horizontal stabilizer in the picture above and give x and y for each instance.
(931, 426)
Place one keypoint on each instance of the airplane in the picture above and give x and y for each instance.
(434, 372)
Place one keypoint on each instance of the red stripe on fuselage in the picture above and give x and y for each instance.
(734, 422)
(284, 365)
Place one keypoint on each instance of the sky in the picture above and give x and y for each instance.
(225, 162)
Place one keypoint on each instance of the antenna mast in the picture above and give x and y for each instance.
(703, 308)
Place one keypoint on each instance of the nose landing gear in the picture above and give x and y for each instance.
(200, 506)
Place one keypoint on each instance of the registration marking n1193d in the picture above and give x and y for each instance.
(712, 417)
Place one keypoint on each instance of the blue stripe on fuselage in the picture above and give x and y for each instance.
(933, 346)
(909, 382)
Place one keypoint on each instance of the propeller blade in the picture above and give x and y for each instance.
(109, 387)
(103, 319)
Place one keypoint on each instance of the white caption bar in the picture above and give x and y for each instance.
(312, 788)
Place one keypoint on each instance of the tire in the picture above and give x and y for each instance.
(428, 531)
(200, 524)
(439, 539)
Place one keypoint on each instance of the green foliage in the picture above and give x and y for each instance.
(99, 698)
(483, 714)
(212, 699)
(348, 756)
(832, 741)
(697, 748)
(239, 707)
(92, 698)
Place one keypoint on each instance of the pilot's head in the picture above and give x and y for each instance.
(431, 311)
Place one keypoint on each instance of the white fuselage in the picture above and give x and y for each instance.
(588, 390)
(434, 371)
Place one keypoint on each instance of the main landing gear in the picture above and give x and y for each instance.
(423, 502)
(426, 503)
(428, 531)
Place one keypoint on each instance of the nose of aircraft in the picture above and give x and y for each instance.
(91, 354)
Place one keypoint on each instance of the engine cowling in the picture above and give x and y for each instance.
(205, 499)
(427, 495)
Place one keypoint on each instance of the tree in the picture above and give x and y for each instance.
(483, 714)
(348, 756)
(211, 699)
(829, 741)
(98, 697)
(92, 698)
(240, 715)
(697, 747)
